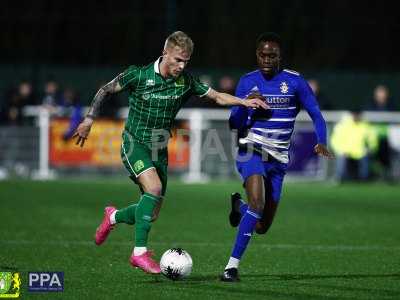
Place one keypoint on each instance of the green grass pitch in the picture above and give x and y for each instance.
(327, 242)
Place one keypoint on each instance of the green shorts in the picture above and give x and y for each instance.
(138, 158)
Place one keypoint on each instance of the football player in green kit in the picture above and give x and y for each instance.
(156, 93)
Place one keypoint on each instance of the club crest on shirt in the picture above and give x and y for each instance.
(284, 87)
(138, 165)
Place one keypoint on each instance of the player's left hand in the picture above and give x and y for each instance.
(83, 131)
(256, 100)
(322, 150)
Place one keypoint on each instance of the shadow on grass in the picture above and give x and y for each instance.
(242, 290)
(286, 277)
(314, 276)
(190, 280)
(210, 285)
(299, 278)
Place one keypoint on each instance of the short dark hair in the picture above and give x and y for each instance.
(269, 37)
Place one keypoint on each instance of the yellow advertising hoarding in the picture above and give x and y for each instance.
(102, 148)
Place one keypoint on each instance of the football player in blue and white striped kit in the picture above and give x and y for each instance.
(264, 141)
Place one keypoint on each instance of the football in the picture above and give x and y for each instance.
(176, 264)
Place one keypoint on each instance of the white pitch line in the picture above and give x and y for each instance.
(212, 244)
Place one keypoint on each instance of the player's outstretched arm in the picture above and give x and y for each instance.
(229, 100)
(83, 130)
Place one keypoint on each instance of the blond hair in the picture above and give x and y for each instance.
(181, 40)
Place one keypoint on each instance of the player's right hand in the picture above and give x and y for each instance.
(322, 150)
(256, 100)
(82, 132)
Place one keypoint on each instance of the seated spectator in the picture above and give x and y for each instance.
(353, 140)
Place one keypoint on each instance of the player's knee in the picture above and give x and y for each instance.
(256, 205)
(154, 189)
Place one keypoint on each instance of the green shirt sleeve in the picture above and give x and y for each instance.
(130, 77)
(197, 87)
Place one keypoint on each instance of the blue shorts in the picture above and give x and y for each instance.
(272, 170)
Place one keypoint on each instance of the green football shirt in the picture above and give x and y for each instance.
(154, 100)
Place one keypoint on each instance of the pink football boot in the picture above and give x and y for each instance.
(145, 262)
(105, 227)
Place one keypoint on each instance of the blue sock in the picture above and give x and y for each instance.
(243, 208)
(246, 228)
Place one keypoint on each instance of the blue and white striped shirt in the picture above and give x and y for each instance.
(285, 93)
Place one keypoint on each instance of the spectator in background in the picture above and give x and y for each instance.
(70, 107)
(227, 84)
(51, 95)
(15, 101)
(381, 100)
(13, 110)
(25, 92)
(353, 140)
(324, 103)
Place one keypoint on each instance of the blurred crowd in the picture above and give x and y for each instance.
(358, 145)
(60, 102)
(65, 101)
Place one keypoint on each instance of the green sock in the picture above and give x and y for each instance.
(143, 215)
(126, 215)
